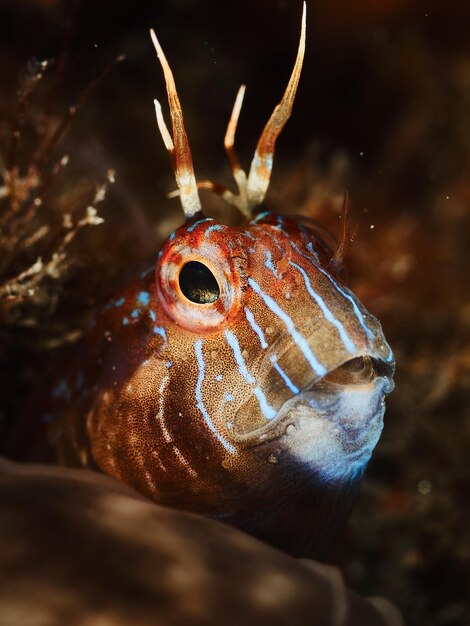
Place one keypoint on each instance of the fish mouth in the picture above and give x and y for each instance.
(348, 400)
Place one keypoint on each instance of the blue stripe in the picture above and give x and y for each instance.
(159, 330)
(200, 402)
(325, 310)
(299, 339)
(193, 226)
(143, 298)
(261, 216)
(211, 229)
(251, 320)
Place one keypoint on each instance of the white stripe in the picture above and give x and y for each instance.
(237, 353)
(325, 310)
(283, 375)
(200, 402)
(296, 336)
(251, 320)
(350, 297)
(269, 263)
(161, 414)
(267, 410)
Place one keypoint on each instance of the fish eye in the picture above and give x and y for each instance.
(198, 283)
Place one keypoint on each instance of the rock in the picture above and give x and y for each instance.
(80, 548)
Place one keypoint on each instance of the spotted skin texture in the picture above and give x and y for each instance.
(226, 407)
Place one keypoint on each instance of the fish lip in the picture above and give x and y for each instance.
(275, 427)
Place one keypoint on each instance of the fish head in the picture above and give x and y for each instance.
(257, 375)
(270, 349)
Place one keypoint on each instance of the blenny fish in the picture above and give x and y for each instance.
(237, 376)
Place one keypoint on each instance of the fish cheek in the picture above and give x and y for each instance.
(123, 426)
(147, 432)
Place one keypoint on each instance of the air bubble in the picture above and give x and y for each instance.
(424, 487)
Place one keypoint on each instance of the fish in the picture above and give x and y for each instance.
(236, 375)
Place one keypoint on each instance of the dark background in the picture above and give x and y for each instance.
(383, 110)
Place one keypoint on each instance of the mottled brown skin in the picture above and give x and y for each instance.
(129, 402)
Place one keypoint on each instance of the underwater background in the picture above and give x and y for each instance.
(383, 111)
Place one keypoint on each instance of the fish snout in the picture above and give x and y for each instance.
(333, 425)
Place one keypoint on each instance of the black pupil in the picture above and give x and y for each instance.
(198, 283)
